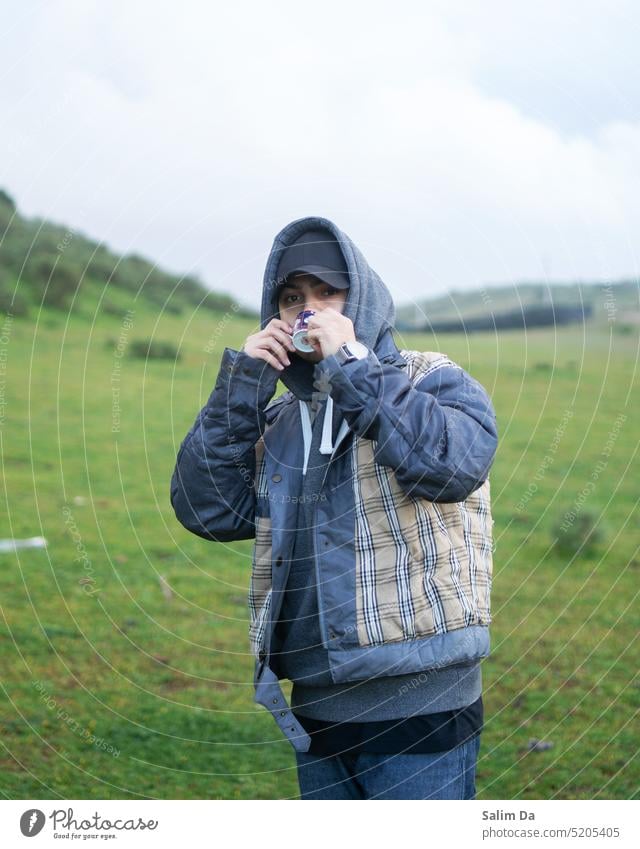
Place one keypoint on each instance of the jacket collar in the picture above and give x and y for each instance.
(387, 352)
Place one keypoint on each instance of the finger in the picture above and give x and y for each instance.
(281, 324)
(328, 314)
(314, 339)
(268, 357)
(265, 338)
(278, 329)
(279, 350)
(318, 320)
(282, 336)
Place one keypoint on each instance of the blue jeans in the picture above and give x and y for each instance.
(443, 775)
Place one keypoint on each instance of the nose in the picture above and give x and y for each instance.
(313, 302)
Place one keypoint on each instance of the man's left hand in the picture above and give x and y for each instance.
(328, 329)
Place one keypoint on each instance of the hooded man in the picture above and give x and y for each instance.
(366, 489)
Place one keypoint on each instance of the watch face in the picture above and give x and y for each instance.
(357, 349)
(352, 351)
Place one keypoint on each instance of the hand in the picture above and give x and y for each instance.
(328, 329)
(271, 344)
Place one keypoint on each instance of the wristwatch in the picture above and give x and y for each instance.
(350, 351)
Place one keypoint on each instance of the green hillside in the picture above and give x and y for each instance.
(614, 301)
(47, 264)
(50, 265)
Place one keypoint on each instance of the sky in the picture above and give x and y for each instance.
(459, 144)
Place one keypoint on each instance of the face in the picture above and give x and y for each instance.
(306, 292)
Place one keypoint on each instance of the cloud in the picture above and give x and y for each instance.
(193, 133)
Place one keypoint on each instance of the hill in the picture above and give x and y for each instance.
(50, 265)
(45, 264)
(530, 304)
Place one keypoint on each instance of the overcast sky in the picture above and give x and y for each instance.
(459, 144)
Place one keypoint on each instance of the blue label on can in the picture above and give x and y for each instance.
(302, 318)
(300, 328)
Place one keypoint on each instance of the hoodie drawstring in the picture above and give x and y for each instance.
(326, 445)
(306, 433)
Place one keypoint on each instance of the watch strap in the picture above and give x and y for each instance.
(349, 351)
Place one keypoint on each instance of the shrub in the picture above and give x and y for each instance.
(173, 308)
(16, 304)
(7, 200)
(578, 534)
(11, 301)
(625, 329)
(62, 285)
(52, 280)
(109, 308)
(153, 349)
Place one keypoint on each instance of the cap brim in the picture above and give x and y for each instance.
(338, 279)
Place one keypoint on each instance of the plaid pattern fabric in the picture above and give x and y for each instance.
(422, 568)
(260, 586)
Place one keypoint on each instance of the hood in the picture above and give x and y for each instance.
(369, 304)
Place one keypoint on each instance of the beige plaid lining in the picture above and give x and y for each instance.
(422, 567)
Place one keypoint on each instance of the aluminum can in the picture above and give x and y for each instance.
(299, 335)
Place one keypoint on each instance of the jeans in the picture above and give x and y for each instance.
(442, 775)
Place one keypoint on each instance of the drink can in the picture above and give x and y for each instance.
(299, 335)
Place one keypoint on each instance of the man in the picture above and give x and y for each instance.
(366, 489)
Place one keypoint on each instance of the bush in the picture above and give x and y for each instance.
(7, 200)
(102, 267)
(11, 301)
(16, 304)
(52, 280)
(173, 308)
(62, 285)
(578, 534)
(154, 349)
(625, 329)
(109, 308)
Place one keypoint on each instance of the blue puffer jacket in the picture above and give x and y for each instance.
(403, 534)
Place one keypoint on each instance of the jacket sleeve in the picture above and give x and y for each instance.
(439, 435)
(212, 487)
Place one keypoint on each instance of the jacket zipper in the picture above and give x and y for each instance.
(323, 625)
(316, 565)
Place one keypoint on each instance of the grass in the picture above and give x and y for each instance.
(91, 645)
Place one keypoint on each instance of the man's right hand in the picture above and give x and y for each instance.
(271, 344)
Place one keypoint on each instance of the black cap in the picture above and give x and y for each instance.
(316, 252)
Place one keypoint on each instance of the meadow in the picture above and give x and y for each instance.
(124, 651)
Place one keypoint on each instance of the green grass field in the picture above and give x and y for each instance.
(114, 686)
